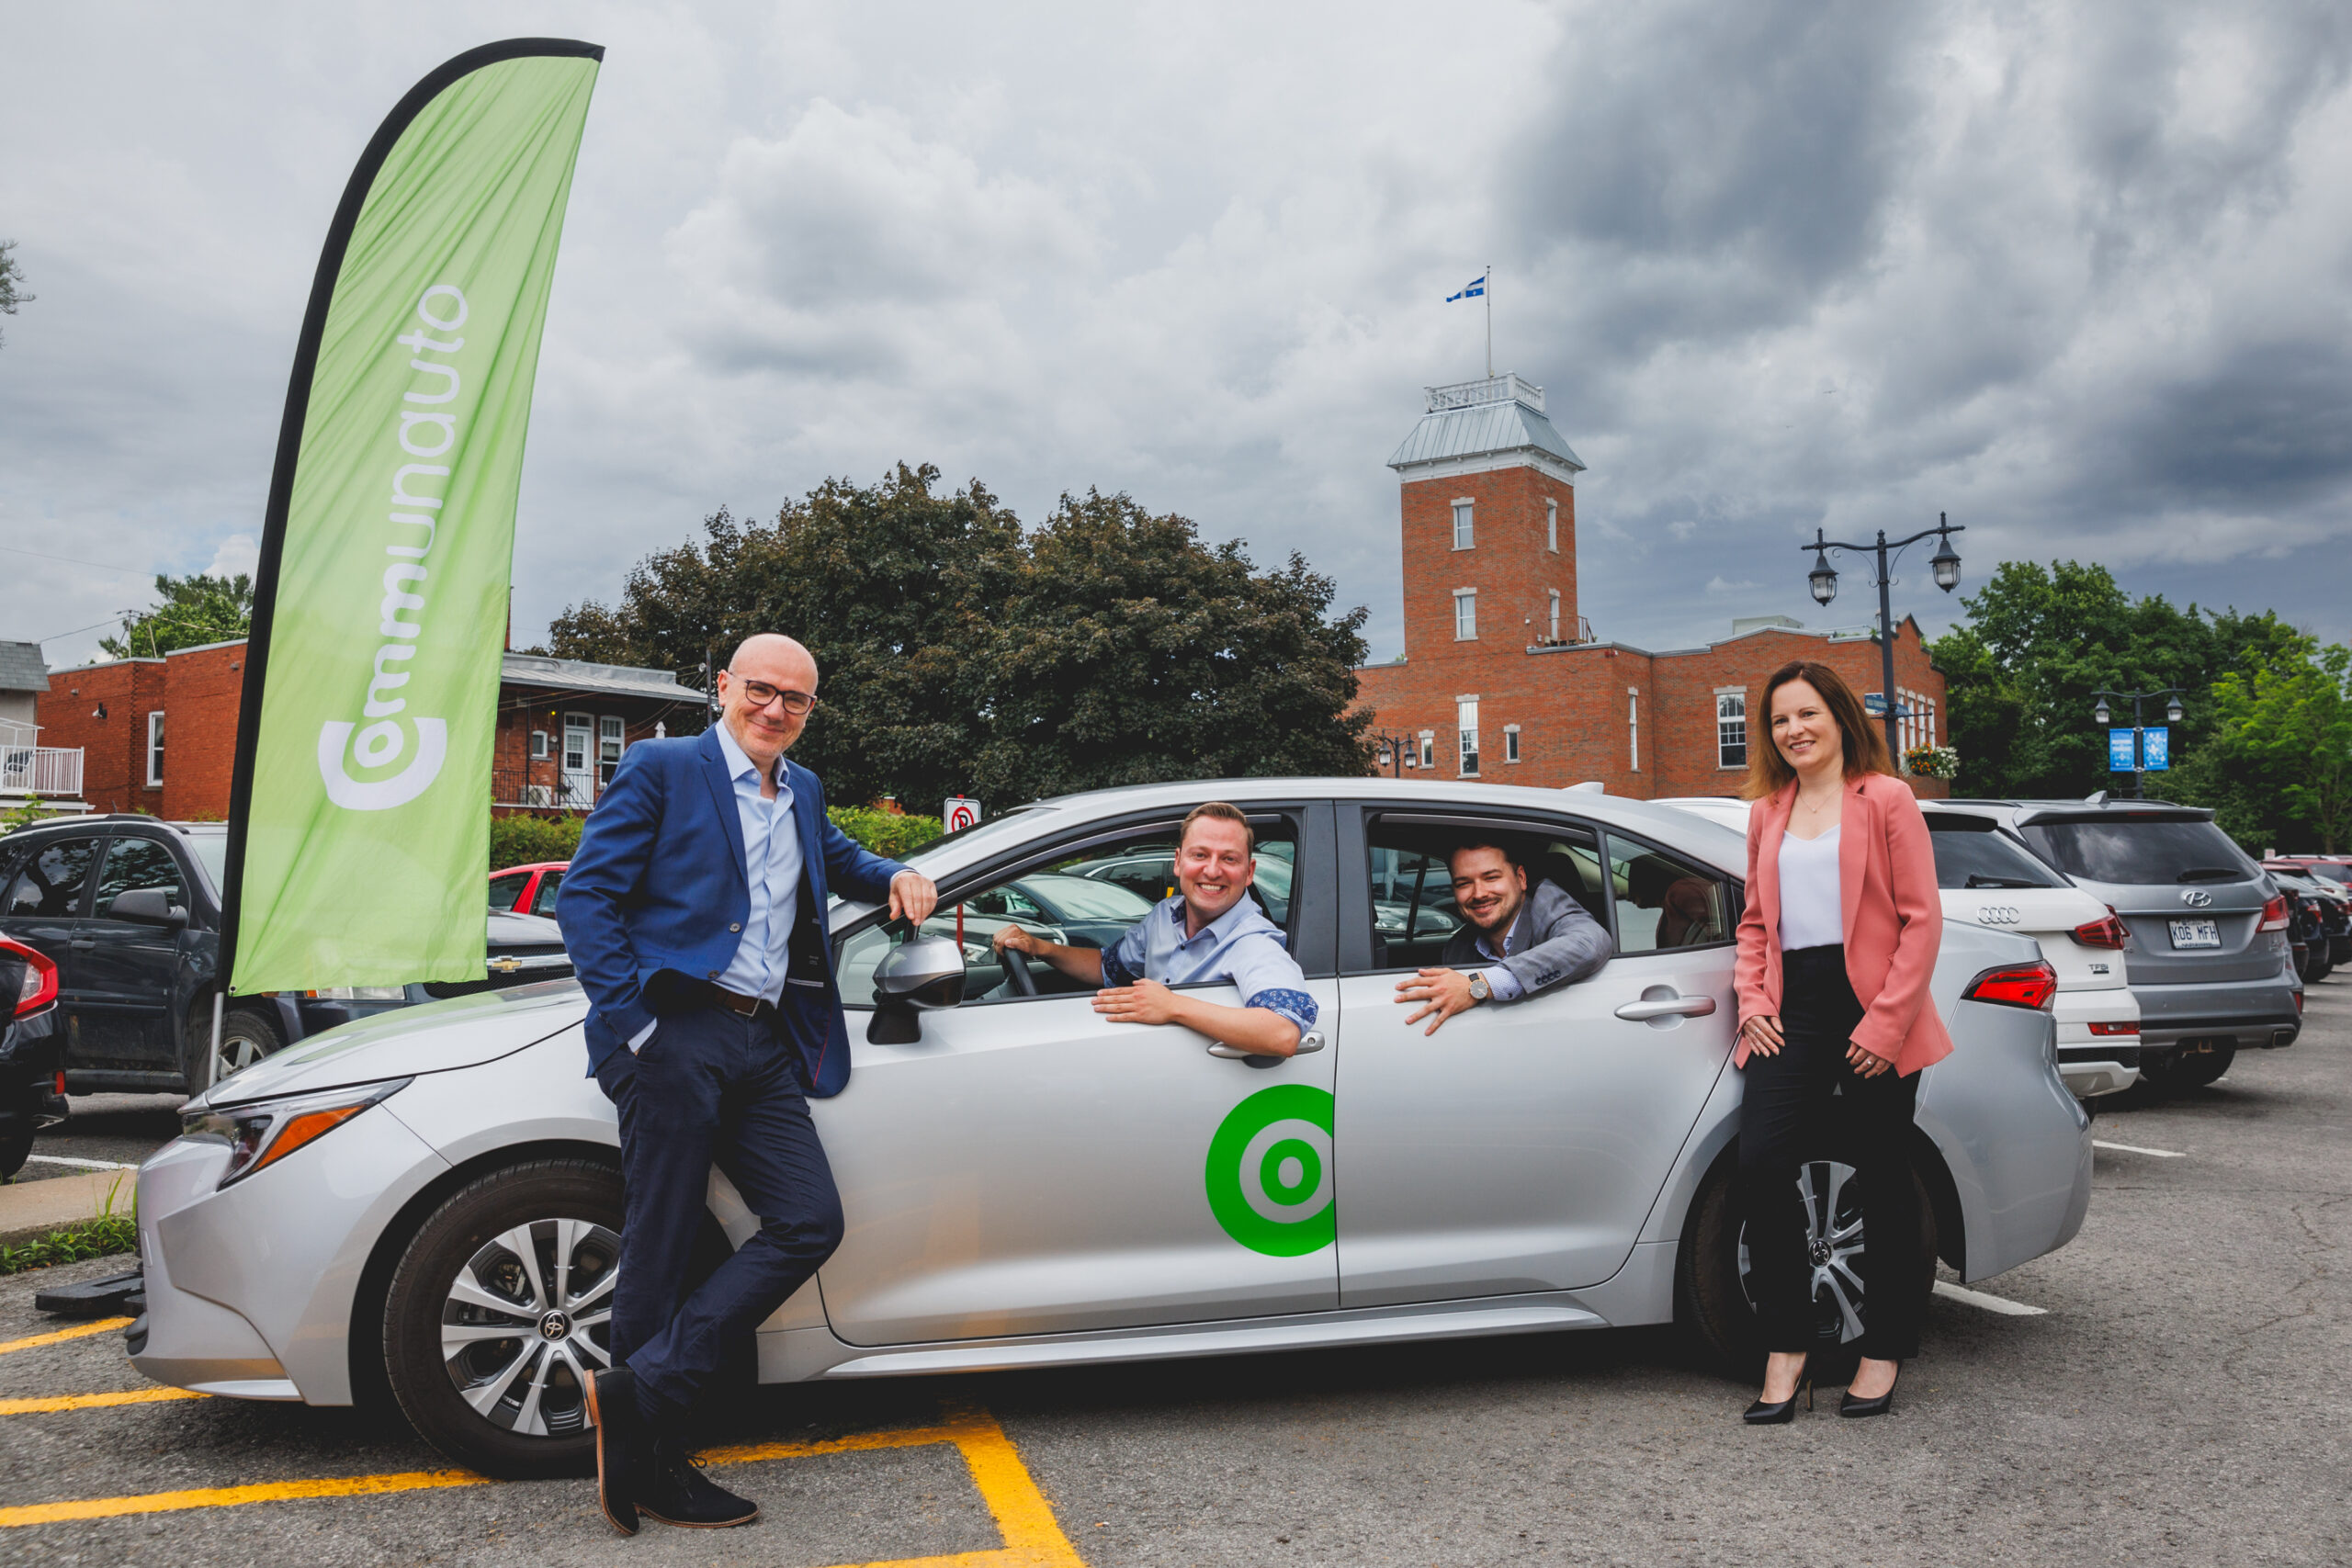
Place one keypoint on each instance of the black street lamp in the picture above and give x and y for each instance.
(1390, 748)
(2138, 730)
(1823, 580)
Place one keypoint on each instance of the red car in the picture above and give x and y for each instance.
(528, 889)
(2336, 868)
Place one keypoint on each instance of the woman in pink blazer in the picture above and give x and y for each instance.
(1835, 950)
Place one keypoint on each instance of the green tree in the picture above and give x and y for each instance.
(961, 655)
(190, 612)
(2278, 768)
(12, 281)
(2021, 671)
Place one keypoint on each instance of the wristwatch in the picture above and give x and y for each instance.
(1479, 990)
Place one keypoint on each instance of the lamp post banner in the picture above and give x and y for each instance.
(359, 819)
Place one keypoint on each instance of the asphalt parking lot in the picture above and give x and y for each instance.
(2183, 1397)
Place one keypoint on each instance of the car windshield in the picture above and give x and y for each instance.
(1083, 898)
(2139, 850)
(212, 854)
(2337, 873)
(1970, 853)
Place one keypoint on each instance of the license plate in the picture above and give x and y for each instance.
(2195, 933)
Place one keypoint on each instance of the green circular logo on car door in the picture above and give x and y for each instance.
(1270, 1172)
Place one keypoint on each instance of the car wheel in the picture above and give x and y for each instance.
(1716, 1305)
(500, 1309)
(16, 1148)
(247, 1034)
(2204, 1068)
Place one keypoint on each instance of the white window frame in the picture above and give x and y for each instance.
(1429, 747)
(1634, 727)
(1552, 525)
(1724, 695)
(611, 730)
(1510, 743)
(1465, 522)
(1466, 613)
(1555, 615)
(541, 749)
(1465, 732)
(155, 748)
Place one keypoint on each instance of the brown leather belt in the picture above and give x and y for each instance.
(703, 993)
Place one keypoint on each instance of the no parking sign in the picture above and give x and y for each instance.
(962, 811)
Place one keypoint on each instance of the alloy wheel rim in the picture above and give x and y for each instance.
(1834, 1246)
(234, 1054)
(526, 1320)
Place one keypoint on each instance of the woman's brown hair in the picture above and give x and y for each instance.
(1865, 748)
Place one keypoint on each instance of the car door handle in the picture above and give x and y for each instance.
(83, 941)
(1667, 1007)
(1311, 1041)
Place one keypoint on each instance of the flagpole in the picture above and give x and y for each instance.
(1487, 290)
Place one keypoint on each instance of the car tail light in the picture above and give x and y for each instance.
(2016, 986)
(2133, 1027)
(39, 987)
(2298, 1004)
(2274, 914)
(2108, 932)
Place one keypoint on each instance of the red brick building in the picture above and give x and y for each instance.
(160, 734)
(1502, 679)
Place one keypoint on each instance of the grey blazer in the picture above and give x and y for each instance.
(1553, 942)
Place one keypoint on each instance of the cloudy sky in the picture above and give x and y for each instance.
(2075, 274)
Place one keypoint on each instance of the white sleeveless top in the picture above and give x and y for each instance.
(1811, 912)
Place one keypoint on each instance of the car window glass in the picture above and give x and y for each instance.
(212, 851)
(504, 890)
(1662, 902)
(134, 864)
(52, 882)
(2127, 849)
(1414, 916)
(543, 901)
(1086, 898)
(1970, 853)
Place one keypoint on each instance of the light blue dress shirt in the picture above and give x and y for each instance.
(1240, 945)
(1499, 980)
(772, 867)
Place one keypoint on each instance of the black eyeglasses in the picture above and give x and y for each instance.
(759, 694)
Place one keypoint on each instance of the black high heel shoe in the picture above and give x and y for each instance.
(1854, 1409)
(1781, 1413)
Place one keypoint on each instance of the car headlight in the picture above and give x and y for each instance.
(266, 1130)
(360, 994)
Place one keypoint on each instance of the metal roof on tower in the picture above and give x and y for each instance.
(1478, 419)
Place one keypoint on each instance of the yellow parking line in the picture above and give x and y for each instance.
(94, 1401)
(82, 1332)
(1032, 1537)
(231, 1496)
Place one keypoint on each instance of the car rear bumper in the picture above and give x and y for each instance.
(2248, 1014)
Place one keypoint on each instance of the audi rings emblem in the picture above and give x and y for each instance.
(2195, 897)
(1998, 915)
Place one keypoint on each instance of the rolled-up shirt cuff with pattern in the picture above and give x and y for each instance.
(1504, 983)
(1114, 968)
(1295, 1006)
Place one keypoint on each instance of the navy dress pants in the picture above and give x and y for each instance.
(1788, 1101)
(710, 1088)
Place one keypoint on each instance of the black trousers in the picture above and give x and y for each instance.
(1798, 1104)
(710, 1088)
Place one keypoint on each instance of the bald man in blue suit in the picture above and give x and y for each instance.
(695, 916)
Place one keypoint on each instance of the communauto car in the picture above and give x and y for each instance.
(430, 1199)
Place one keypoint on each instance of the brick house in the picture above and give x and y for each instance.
(1502, 679)
(562, 725)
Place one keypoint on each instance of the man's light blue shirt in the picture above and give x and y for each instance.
(1499, 980)
(1240, 945)
(772, 866)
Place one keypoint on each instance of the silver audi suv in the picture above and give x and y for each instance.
(2209, 959)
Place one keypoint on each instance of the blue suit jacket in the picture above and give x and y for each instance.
(658, 878)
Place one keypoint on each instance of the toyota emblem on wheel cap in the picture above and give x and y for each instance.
(2195, 897)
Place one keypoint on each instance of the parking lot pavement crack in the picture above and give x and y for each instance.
(2312, 1261)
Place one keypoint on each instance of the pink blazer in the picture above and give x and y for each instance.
(1893, 918)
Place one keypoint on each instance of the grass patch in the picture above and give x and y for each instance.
(100, 1237)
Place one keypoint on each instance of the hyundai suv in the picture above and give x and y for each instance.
(129, 909)
(2210, 960)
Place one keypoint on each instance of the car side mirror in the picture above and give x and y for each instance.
(149, 906)
(921, 974)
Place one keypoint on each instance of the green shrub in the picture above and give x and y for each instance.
(522, 841)
(101, 1237)
(892, 837)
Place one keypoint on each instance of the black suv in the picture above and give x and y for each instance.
(128, 908)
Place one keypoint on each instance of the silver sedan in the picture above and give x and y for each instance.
(431, 1199)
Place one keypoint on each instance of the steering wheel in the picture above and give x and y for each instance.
(1017, 973)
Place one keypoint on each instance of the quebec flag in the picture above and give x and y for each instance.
(1476, 290)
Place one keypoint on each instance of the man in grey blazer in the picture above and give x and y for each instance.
(1533, 938)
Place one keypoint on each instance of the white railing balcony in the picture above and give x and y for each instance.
(40, 770)
(1503, 389)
